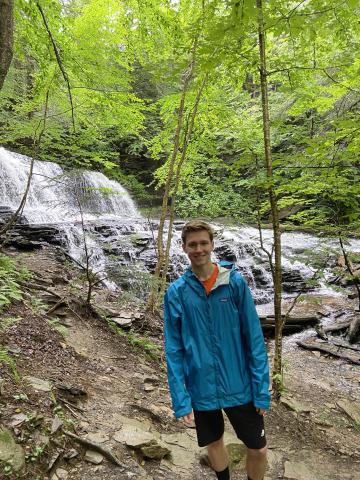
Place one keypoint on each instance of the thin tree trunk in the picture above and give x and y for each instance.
(164, 209)
(273, 204)
(6, 37)
(187, 138)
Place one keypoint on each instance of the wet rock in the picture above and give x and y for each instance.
(38, 384)
(10, 452)
(93, 457)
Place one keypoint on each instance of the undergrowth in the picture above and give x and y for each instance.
(10, 278)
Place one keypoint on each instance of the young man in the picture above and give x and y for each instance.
(216, 355)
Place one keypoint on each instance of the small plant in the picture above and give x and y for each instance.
(8, 469)
(21, 397)
(35, 454)
(10, 278)
(38, 306)
(55, 323)
(7, 322)
(6, 359)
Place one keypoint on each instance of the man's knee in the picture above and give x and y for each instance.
(257, 453)
(217, 444)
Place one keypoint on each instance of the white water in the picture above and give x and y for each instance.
(54, 199)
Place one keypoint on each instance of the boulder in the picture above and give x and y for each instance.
(39, 384)
(10, 452)
(93, 457)
(139, 439)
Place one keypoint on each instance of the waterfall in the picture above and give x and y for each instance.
(120, 239)
(53, 195)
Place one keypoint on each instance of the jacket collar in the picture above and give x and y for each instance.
(223, 278)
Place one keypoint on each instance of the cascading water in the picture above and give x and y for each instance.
(120, 238)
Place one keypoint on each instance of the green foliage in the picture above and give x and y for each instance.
(8, 361)
(7, 322)
(56, 325)
(10, 276)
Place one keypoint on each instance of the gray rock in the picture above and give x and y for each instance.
(62, 474)
(97, 437)
(298, 471)
(295, 405)
(10, 451)
(93, 457)
(122, 322)
(39, 384)
(352, 409)
(139, 439)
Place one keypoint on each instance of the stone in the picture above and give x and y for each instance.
(295, 406)
(298, 471)
(139, 439)
(155, 450)
(122, 322)
(39, 384)
(94, 457)
(18, 419)
(133, 437)
(62, 474)
(352, 409)
(97, 437)
(10, 451)
(56, 424)
(148, 387)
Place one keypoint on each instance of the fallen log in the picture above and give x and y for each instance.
(305, 320)
(337, 327)
(330, 349)
(292, 325)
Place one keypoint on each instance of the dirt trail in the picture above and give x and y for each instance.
(310, 437)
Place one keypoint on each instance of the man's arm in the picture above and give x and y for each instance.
(255, 346)
(174, 350)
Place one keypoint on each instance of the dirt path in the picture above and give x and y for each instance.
(310, 436)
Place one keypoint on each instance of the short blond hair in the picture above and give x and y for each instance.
(196, 226)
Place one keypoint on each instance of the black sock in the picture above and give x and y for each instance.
(224, 474)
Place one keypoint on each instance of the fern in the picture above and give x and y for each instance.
(9, 362)
(10, 278)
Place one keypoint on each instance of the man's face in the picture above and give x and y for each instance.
(198, 248)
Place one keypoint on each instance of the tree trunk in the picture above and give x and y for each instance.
(6, 37)
(154, 294)
(187, 138)
(273, 203)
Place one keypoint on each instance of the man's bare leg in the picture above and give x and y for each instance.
(256, 463)
(218, 455)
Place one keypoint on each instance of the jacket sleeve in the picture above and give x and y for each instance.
(253, 341)
(174, 350)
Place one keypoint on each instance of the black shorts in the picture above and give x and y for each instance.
(247, 423)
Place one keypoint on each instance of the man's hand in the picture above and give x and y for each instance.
(188, 419)
(261, 411)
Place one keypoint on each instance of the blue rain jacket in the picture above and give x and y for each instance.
(214, 345)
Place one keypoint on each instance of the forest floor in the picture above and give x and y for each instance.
(111, 389)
